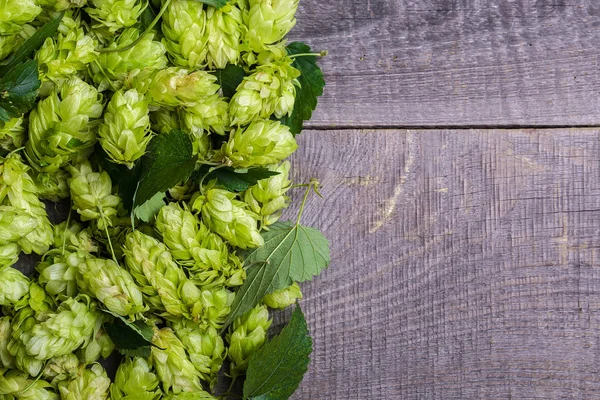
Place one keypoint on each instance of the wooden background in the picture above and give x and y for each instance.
(459, 156)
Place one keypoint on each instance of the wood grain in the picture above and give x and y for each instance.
(465, 264)
(443, 63)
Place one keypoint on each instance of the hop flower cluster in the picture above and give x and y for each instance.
(111, 82)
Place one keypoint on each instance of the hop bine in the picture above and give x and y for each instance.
(125, 131)
(135, 379)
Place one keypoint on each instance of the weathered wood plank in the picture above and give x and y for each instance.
(466, 264)
(456, 62)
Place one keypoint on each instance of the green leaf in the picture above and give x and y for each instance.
(311, 87)
(168, 162)
(276, 369)
(237, 180)
(215, 3)
(18, 90)
(149, 209)
(229, 78)
(291, 253)
(132, 339)
(31, 45)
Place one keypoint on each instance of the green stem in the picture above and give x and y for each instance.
(141, 37)
(110, 246)
(15, 151)
(64, 233)
(313, 185)
(210, 171)
(323, 53)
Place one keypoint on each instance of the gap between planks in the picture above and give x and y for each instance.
(444, 127)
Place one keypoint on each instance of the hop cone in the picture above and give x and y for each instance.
(223, 35)
(284, 297)
(15, 224)
(91, 194)
(58, 272)
(175, 87)
(62, 332)
(210, 114)
(163, 282)
(9, 254)
(229, 218)
(100, 345)
(61, 5)
(8, 44)
(184, 28)
(7, 360)
(204, 346)
(271, 89)
(112, 69)
(18, 190)
(53, 186)
(18, 385)
(16, 13)
(268, 21)
(263, 142)
(201, 395)
(125, 132)
(203, 253)
(72, 236)
(173, 367)
(63, 125)
(248, 335)
(267, 198)
(14, 286)
(89, 384)
(61, 368)
(12, 133)
(112, 285)
(115, 14)
(67, 55)
(164, 121)
(135, 380)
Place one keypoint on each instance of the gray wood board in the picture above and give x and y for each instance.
(465, 264)
(438, 63)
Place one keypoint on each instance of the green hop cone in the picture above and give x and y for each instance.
(112, 69)
(228, 217)
(204, 346)
(223, 35)
(17, 385)
(263, 142)
(270, 90)
(249, 333)
(64, 331)
(61, 5)
(112, 285)
(12, 133)
(173, 87)
(100, 345)
(63, 125)
(61, 368)
(115, 14)
(58, 272)
(9, 254)
(18, 189)
(7, 360)
(92, 196)
(209, 114)
(216, 307)
(16, 13)
(8, 44)
(71, 236)
(201, 395)
(284, 297)
(203, 253)
(184, 28)
(89, 383)
(268, 21)
(267, 198)
(135, 380)
(165, 121)
(173, 367)
(69, 54)
(53, 186)
(125, 132)
(14, 286)
(15, 224)
(163, 283)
